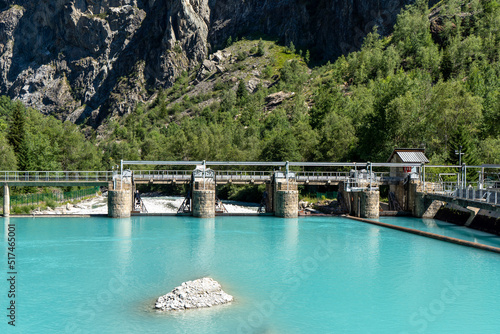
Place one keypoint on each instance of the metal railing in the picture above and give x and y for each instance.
(32, 199)
(489, 196)
(55, 176)
(322, 176)
(225, 175)
(159, 175)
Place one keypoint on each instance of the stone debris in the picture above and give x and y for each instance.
(203, 292)
(252, 84)
(273, 100)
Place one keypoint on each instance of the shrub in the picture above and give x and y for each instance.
(242, 55)
(260, 48)
(51, 203)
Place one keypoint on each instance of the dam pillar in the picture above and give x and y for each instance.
(120, 200)
(203, 198)
(363, 203)
(286, 199)
(6, 201)
(366, 203)
(270, 197)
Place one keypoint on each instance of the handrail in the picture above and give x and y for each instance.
(56, 176)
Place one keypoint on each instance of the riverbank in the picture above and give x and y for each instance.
(97, 205)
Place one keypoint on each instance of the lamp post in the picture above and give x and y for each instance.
(459, 153)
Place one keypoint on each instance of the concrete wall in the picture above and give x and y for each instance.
(6, 201)
(369, 203)
(424, 207)
(487, 221)
(287, 203)
(270, 197)
(363, 203)
(119, 203)
(399, 192)
(203, 203)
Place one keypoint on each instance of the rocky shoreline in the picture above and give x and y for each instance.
(94, 205)
(200, 293)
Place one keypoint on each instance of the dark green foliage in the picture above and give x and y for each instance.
(438, 88)
(293, 75)
(8, 160)
(43, 143)
(400, 91)
(242, 92)
(462, 141)
(241, 193)
(17, 136)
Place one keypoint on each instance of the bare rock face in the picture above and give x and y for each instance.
(203, 292)
(86, 60)
(274, 100)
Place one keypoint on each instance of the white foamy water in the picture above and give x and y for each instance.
(159, 204)
(170, 204)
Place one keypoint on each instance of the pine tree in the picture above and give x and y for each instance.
(242, 92)
(461, 141)
(17, 136)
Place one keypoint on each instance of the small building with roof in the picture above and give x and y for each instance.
(407, 155)
(400, 191)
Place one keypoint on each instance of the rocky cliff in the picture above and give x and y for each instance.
(86, 60)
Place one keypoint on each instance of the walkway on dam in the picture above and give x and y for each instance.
(482, 192)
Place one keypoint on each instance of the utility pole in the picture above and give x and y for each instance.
(459, 153)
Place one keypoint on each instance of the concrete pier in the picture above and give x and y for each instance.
(286, 200)
(368, 204)
(6, 201)
(363, 203)
(203, 198)
(119, 203)
(204, 203)
(270, 197)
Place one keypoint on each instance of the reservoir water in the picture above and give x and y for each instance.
(306, 275)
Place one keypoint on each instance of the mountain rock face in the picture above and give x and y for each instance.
(86, 60)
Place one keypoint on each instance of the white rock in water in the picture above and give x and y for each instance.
(203, 292)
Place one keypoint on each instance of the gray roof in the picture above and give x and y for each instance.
(412, 156)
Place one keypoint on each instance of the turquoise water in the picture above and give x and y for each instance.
(306, 275)
(446, 229)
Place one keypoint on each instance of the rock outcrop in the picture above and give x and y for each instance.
(203, 292)
(84, 60)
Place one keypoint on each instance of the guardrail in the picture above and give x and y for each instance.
(322, 176)
(162, 174)
(56, 176)
(225, 175)
(477, 195)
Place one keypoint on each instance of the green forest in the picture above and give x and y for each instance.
(433, 83)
